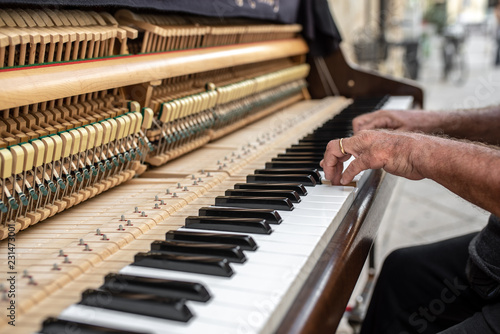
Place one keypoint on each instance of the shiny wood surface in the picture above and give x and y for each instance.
(49, 82)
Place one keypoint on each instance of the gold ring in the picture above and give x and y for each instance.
(342, 147)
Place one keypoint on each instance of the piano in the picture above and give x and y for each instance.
(159, 167)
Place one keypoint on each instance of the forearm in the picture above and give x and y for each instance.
(473, 124)
(470, 170)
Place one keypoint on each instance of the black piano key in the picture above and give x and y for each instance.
(58, 326)
(241, 225)
(275, 203)
(298, 187)
(290, 194)
(156, 286)
(187, 263)
(232, 253)
(309, 149)
(270, 216)
(285, 171)
(301, 155)
(306, 180)
(245, 242)
(136, 303)
(293, 164)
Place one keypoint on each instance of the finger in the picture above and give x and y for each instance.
(354, 168)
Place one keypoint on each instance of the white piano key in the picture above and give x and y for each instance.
(128, 321)
(236, 282)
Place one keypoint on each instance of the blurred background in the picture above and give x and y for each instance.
(450, 47)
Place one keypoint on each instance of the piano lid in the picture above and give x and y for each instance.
(320, 30)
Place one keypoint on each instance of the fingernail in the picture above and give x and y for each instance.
(342, 181)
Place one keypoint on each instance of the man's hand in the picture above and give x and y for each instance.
(391, 151)
(404, 120)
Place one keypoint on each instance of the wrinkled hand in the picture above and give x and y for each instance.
(404, 120)
(372, 149)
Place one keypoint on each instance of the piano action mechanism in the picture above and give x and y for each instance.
(156, 116)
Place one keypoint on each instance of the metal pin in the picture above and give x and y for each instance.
(61, 252)
(208, 174)
(82, 242)
(25, 273)
(200, 180)
(122, 218)
(220, 167)
(162, 202)
(218, 162)
(87, 248)
(157, 198)
(143, 214)
(179, 185)
(185, 188)
(168, 191)
(195, 183)
(66, 260)
(225, 158)
(55, 267)
(193, 177)
(232, 160)
(156, 206)
(120, 228)
(32, 281)
(202, 171)
(98, 232)
(129, 223)
(224, 166)
(104, 237)
(174, 195)
(136, 210)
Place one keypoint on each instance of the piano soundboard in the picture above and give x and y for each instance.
(165, 176)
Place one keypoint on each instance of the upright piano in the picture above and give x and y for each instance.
(159, 167)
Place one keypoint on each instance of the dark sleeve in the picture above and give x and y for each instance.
(485, 322)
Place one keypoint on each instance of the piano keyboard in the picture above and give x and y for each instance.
(245, 297)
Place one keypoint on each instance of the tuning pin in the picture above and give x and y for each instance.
(32, 281)
(167, 192)
(174, 195)
(122, 218)
(157, 198)
(87, 248)
(81, 243)
(104, 237)
(193, 177)
(195, 183)
(55, 267)
(61, 253)
(129, 223)
(25, 273)
(143, 214)
(162, 202)
(98, 232)
(136, 210)
(121, 228)
(156, 206)
(185, 189)
(66, 260)
(179, 186)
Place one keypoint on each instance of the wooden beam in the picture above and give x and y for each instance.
(29, 85)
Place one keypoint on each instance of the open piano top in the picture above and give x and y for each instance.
(116, 128)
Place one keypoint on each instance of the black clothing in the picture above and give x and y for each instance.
(425, 289)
